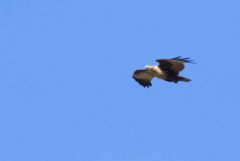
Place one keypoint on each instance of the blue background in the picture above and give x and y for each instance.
(67, 93)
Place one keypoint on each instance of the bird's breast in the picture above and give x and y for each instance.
(158, 73)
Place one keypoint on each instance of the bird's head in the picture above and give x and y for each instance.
(148, 66)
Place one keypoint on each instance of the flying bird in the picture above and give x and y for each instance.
(168, 70)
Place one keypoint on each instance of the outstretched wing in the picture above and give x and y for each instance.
(143, 77)
(173, 66)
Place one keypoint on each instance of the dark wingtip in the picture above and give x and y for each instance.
(142, 82)
(186, 60)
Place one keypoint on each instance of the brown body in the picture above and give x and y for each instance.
(168, 70)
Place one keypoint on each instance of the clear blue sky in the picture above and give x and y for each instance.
(67, 93)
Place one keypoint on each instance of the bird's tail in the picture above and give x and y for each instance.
(183, 79)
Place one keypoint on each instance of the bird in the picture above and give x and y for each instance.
(168, 70)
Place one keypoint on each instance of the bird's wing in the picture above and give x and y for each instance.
(143, 77)
(174, 65)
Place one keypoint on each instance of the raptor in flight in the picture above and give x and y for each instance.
(168, 70)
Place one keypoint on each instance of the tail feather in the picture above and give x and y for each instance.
(183, 79)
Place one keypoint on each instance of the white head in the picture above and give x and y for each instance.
(148, 66)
